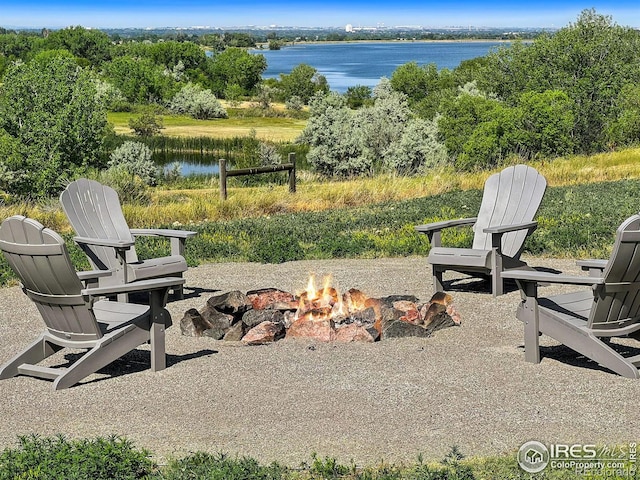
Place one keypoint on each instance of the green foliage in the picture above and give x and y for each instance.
(235, 66)
(377, 137)
(294, 103)
(54, 458)
(134, 158)
(418, 149)
(53, 124)
(590, 60)
(625, 128)
(91, 45)
(304, 82)
(140, 79)
(195, 101)
(416, 82)
(220, 467)
(331, 136)
(147, 124)
(358, 96)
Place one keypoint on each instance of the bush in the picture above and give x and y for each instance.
(51, 123)
(135, 159)
(54, 458)
(197, 102)
(147, 124)
(221, 467)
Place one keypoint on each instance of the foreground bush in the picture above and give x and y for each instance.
(115, 458)
(57, 458)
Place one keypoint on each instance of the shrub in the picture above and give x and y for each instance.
(221, 467)
(147, 124)
(197, 102)
(294, 103)
(135, 159)
(110, 458)
(52, 124)
(418, 149)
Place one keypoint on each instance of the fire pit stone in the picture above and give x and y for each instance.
(267, 315)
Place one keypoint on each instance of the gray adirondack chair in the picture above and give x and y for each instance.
(95, 214)
(510, 200)
(584, 320)
(76, 317)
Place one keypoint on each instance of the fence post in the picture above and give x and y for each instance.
(223, 178)
(292, 173)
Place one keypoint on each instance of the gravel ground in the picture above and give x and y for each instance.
(393, 400)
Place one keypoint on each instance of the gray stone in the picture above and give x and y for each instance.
(256, 317)
(234, 302)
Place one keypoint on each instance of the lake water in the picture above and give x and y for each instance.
(347, 64)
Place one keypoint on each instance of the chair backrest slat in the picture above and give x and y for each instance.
(511, 196)
(611, 309)
(40, 259)
(94, 211)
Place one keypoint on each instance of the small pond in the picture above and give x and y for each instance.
(190, 164)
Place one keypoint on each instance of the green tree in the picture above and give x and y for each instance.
(358, 96)
(53, 124)
(235, 66)
(91, 45)
(625, 128)
(590, 60)
(303, 81)
(545, 124)
(140, 80)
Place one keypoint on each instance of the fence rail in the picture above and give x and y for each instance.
(290, 167)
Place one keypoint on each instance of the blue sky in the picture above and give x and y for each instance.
(323, 13)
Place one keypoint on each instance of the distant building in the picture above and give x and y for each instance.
(349, 28)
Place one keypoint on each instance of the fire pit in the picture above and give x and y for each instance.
(323, 314)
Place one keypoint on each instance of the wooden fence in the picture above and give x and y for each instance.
(290, 167)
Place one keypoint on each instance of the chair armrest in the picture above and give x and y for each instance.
(161, 232)
(91, 278)
(432, 230)
(177, 237)
(140, 286)
(544, 277)
(105, 242)
(511, 228)
(435, 226)
(595, 267)
(89, 275)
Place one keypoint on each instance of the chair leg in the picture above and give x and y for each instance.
(108, 350)
(531, 325)
(32, 355)
(437, 279)
(598, 351)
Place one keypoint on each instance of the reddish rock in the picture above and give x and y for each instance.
(354, 333)
(321, 330)
(266, 332)
(453, 313)
(271, 298)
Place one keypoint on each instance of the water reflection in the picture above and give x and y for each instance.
(190, 164)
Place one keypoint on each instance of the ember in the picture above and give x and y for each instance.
(267, 315)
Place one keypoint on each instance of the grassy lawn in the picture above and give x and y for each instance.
(276, 129)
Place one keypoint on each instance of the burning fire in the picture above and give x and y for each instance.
(326, 303)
